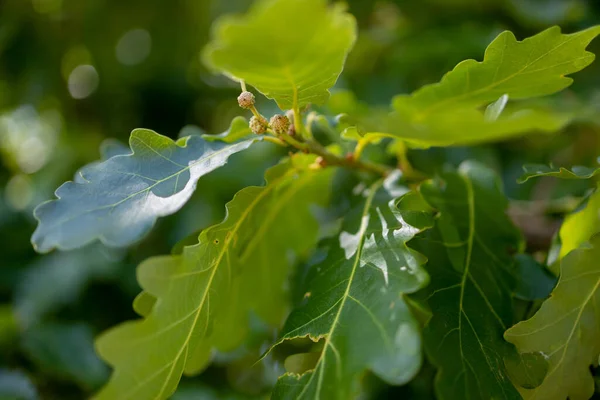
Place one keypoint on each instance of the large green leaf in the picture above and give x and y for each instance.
(119, 200)
(472, 280)
(449, 112)
(576, 172)
(292, 51)
(566, 329)
(354, 304)
(238, 266)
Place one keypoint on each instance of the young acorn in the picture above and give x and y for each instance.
(246, 100)
(280, 124)
(258, 125)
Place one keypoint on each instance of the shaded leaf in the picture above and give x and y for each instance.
(67, 352)
(448, 112)
(292, 51)
(354, 304)
(472, 280)
(238, 266)
(534, 281)
(204, 392)
(119, 200)
(59, 279)
(9, 327)
(566, 329)
(238, 129)
(576, 172)
(15, 385)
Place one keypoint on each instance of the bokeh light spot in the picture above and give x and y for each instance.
(134, 47)
(83, 81)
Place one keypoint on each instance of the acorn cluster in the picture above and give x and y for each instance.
(280, 124)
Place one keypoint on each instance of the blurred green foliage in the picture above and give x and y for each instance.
(74, 73)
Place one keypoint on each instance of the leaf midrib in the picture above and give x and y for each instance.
(362, 231)
(157, 182)
(559, 363)
(228, 240)
(266, 190)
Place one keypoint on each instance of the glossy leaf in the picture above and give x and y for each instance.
(238, 130)
(579, 226)
(239, 266)
(566, 329)
(119, 200)
(448, 112)
(292, 51)
(472, 280)
(354, 304)
(576, 172)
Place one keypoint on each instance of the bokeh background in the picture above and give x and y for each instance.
(77, 73)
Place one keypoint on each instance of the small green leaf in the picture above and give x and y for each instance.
(472, 280)
(119, 200)
(579, 226)
(576, 172)
(448, 112)
(238, 130)
(203, 296)
(354, 304)
(292, 51)
(566, 329)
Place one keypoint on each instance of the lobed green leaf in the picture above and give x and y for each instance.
(119, 200)
(292, 51)
(472, 280)
(566, 329)
(200, 300)
(576, 172)
(354, 304)
(453, 111)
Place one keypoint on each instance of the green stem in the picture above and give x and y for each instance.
(298, 124)
(360, 146)
(332, 159)
(275, 140)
